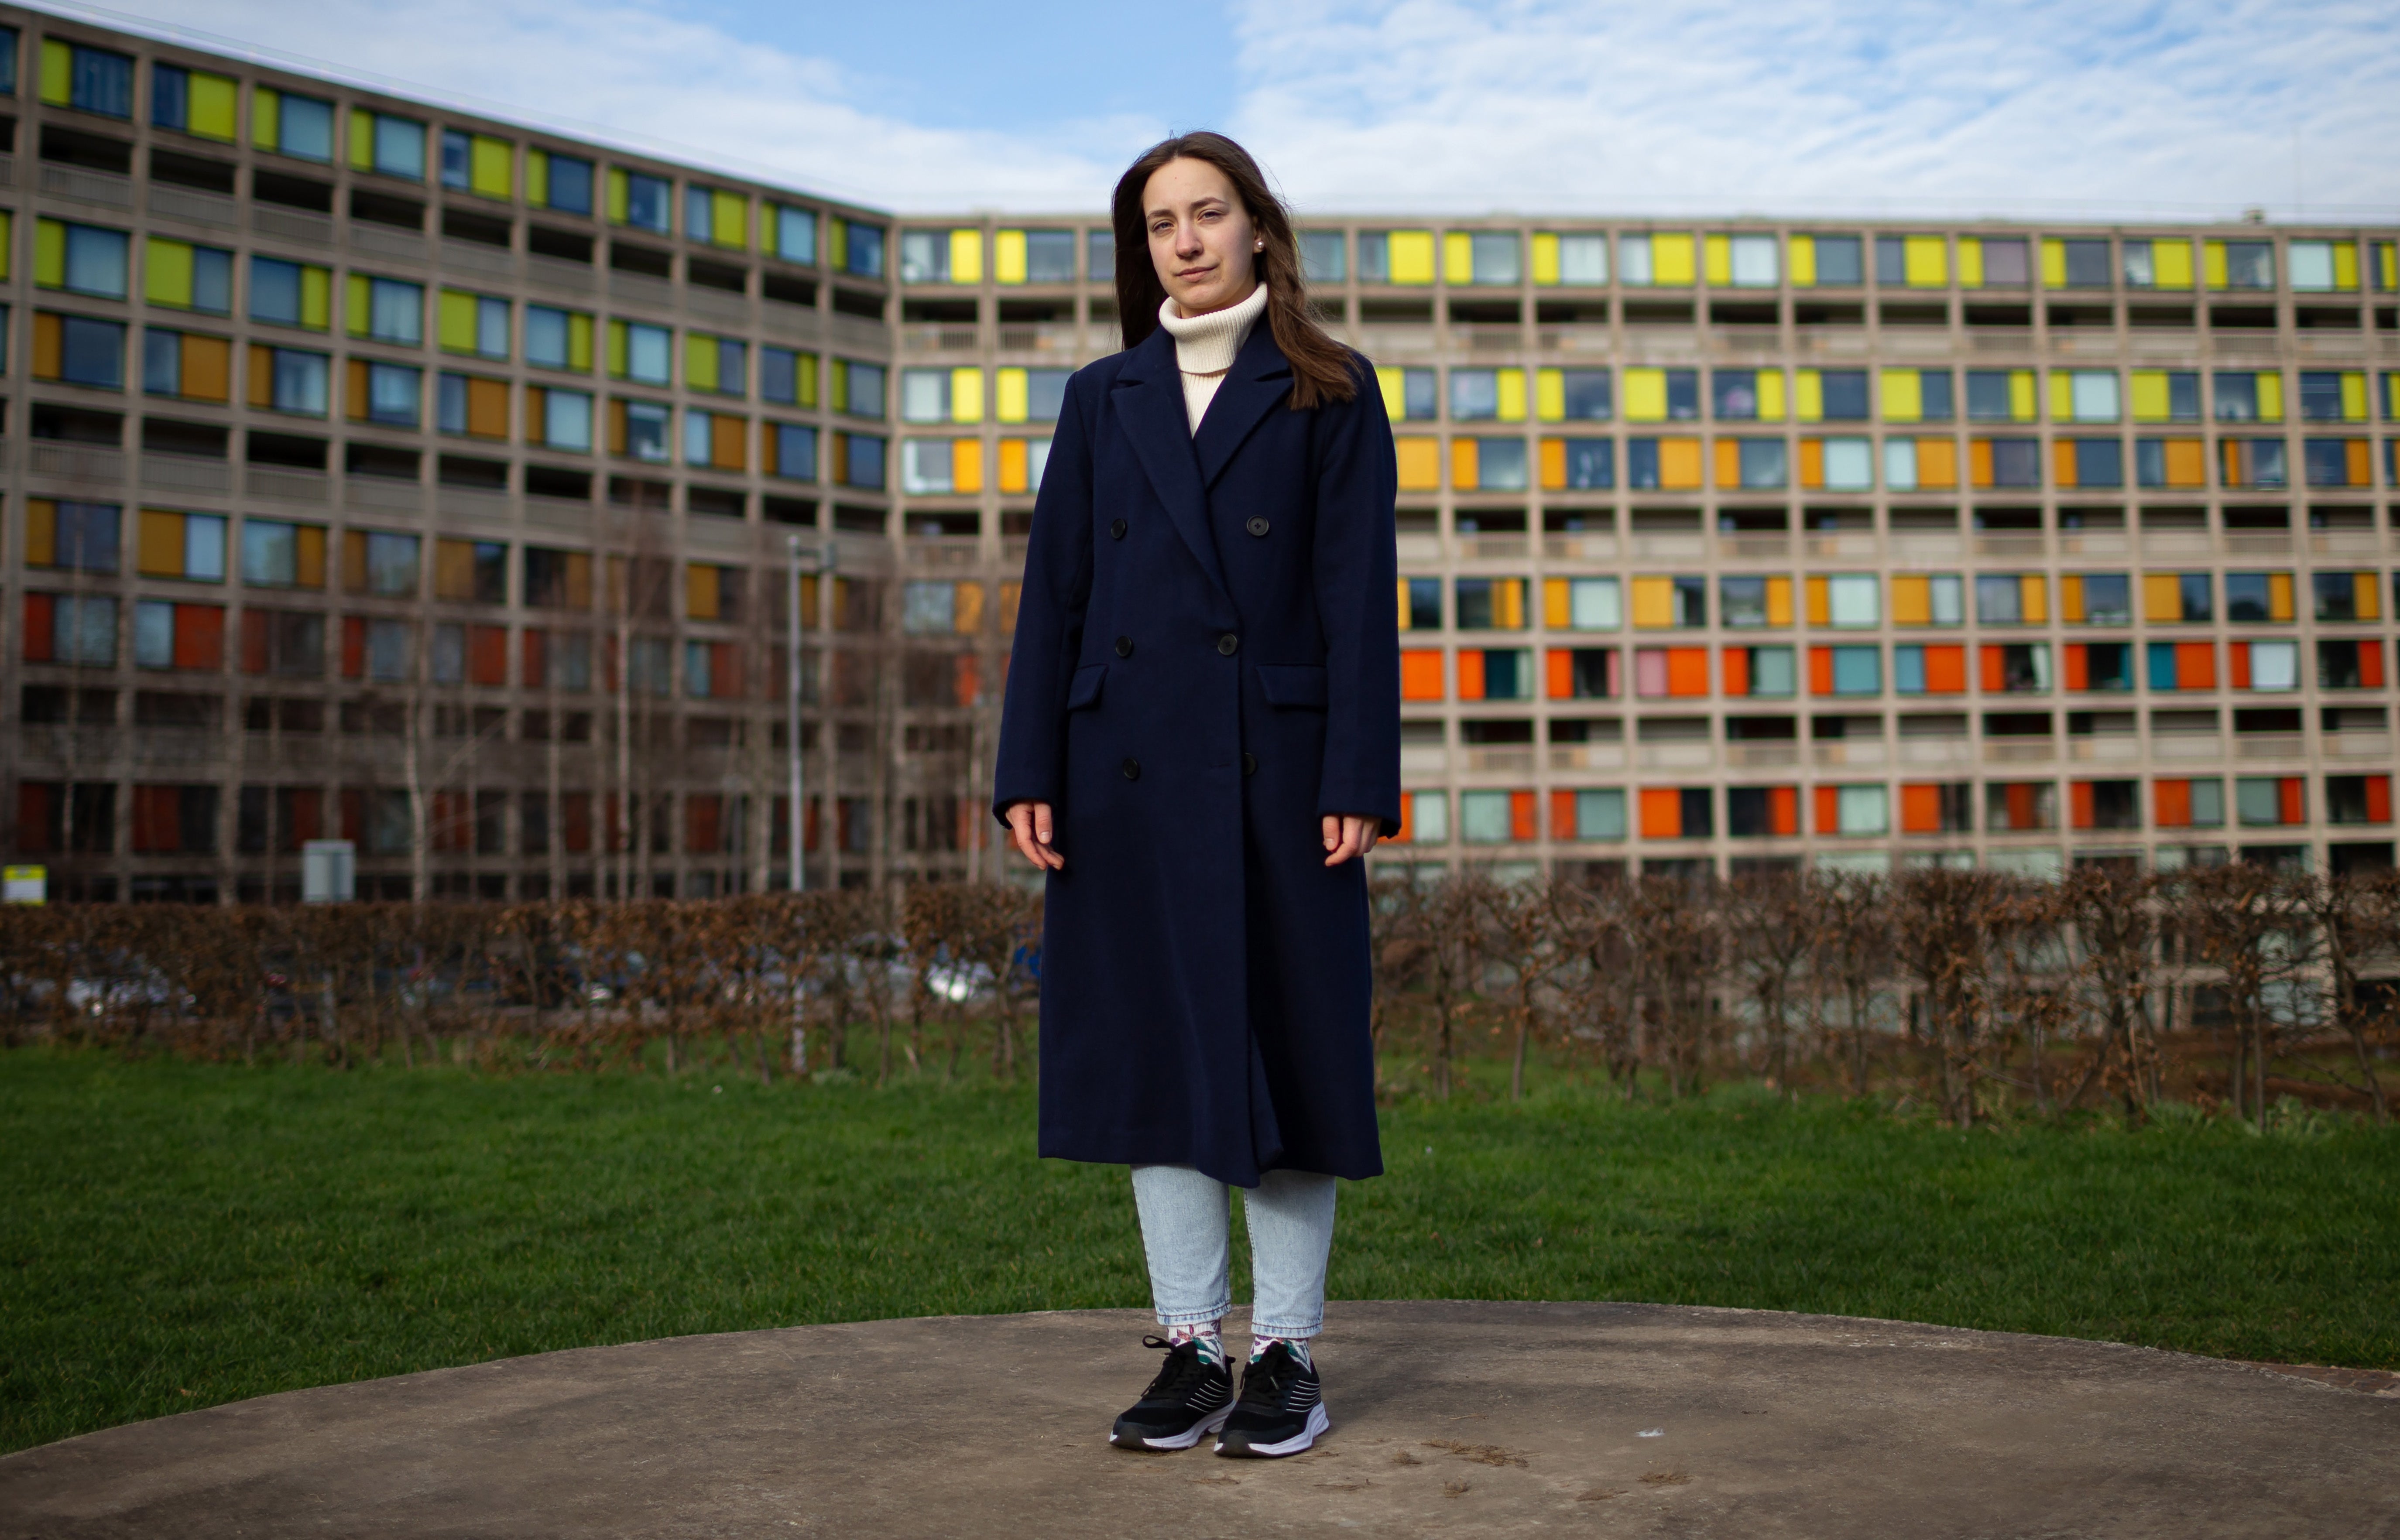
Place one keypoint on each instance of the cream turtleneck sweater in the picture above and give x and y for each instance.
(1206, 346)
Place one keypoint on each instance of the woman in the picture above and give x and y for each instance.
(1200, 741)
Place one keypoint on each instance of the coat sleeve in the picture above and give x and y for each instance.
(1049, 615)
(1356, 567)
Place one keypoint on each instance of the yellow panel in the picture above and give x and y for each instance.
(700, 591)
(967, 612)
(2033, 592)
(1466, 465)
(58, 72)
(2271, 396)
(1809, 397)
(2366, 596)
(1558, 611)
(41, 532)
(1679, 464)
(1654, 604)
(966, 464)
(209, 109)
(1551, 395)
(1671, 259)
(1015, 465)
(1925, 262)
(1512, 395)
(2353, 396)
(1821, 602)
(1804, 262)
(1718, 254)
(1458, 256)
(1508, 603)
(1420, 463)
(1553, 453)
(1728, 458)
(1546, 259)
(2070, 598)
(2062, 396)
(2021, 395)
(1393, 383)
(1778, 601)
(2279, 596)
(1770, 395)
(1903, 395)
(1971, 263)
(1912, 600)
(2150, 395)
(1645, 395)
(2162, 596)
(159, 544)
(1412, 257)
(966, 256)
(1010, 400)
(311, 561)
(1008, 256)
(2053, 263)
(728, 220)
(2170, 264)
(491, 167)
(2213, 263)
(966, 394)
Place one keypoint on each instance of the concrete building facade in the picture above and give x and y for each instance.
(378, 471)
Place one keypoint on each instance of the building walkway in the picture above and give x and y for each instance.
(1485, 1419)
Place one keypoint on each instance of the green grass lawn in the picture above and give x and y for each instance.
(176, 1235)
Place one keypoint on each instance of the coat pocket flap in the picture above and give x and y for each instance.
(1293, 685)
(1084, 688)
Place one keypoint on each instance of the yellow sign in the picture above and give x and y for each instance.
(24, 884)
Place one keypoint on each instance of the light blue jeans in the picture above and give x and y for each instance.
(1185, 1236)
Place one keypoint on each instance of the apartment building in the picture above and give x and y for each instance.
(434, 483)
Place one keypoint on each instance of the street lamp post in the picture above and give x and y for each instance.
(796, 821)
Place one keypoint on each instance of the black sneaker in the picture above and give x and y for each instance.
(1189, 1398)
(1282, 1409)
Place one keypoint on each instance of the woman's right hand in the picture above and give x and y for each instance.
(1029, 827)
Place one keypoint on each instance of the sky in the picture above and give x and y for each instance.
(2085, 109)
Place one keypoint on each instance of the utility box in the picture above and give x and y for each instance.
(328, 871)
(25, 885)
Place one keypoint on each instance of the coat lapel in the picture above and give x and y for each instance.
(1260, 378)
(1148, 400)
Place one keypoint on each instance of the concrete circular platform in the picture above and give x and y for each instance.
(1448, 1419)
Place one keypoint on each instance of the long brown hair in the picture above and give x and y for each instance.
(1321, 368)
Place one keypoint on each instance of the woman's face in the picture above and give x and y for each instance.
(1201, 238)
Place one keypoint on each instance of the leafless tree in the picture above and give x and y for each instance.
(2252, 926)
(1773, 929)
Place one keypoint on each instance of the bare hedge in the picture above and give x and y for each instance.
(1962, 989)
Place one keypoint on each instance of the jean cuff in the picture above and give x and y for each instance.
(1196, 1318)
(1291, 1333)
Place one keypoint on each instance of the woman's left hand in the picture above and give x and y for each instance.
(1347, 834)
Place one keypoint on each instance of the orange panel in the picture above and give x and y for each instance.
(2173, 799)
(2078, 667)
(1470, 676)
(1783, 810)
(1821, 670)
(2062, 460)
(2186, 463)
(1521, 816)
(1420, 675)
(1937, 463)
(2294, 810)
(2370, 664)
(487, 654)
(1400, 835)
(534, 663)
(1562, 816)
(1558, 669)
(1812, 463)
(1995, 669)
(1728, 457)
(1736, 663)
(1687, 670)
(2378, 799)
(1979, 461)
(2196, 665)
(2237, 657)
(1829, 810)
(200, 636)
(1920, 809)
(1662, 813)
(1946, 670)
(2079, 804)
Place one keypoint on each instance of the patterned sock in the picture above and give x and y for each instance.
(1299, 1346)
(1207, 1333)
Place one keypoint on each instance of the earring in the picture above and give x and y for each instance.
(1259, 246)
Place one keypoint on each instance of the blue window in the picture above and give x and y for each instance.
(570, 185)
(795, 452)
(647, 201)
(1592, 464)
(91, 352)
(98, 81)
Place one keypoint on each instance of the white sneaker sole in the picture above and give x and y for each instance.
(1200, 1430)
(1317, 1425)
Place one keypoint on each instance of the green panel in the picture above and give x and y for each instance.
(362, 138)
(579, 343)
(538, 178)
(700, 359)
(267, 119)
(456, 321)
(167, 275)
(355, 305)
(489, 169)
(619, 348)
(211, 104)
(58, 72)
(49, 254)
(620, 195)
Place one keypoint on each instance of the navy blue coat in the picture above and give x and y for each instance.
(1206, 663)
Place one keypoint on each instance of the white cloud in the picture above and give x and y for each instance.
(2067, 105)
(2086, 107)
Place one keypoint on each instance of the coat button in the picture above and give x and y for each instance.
(1132, 768)
(1257, 526)
(1124, 646)
(1249, 764)
(1117, 529)
(1229, 644)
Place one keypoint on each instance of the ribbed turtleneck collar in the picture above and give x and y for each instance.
(1207, 345)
